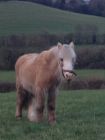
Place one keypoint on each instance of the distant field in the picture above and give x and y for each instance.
(80, 116)
(93, 73)
(9, 76)
(17, 17)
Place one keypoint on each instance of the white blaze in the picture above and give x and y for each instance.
(67, 65)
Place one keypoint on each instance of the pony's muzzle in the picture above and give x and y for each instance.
(68, 75)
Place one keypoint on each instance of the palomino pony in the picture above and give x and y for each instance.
(38, 75)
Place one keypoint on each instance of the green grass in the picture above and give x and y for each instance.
(9, 76)
(91, 73)
(28, 18)
(80, 116)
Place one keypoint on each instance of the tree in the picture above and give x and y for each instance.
(74, 5)
(97, 7)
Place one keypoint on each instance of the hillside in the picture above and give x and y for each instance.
(28, 18)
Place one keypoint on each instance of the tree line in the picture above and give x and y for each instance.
(94, 7)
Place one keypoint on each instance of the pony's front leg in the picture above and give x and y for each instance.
(19, 102)
(51, 106)
(36, 108)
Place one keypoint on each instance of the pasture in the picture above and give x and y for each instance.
(17, 17)
(7, 76)
(80, 116)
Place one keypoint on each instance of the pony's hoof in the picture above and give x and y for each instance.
(18, 117)
(35, 120)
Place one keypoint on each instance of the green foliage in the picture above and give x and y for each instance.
(91, 57)
(80, 115)
(7, 87)
(97, 7)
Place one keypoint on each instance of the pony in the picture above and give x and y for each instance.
(39, 75)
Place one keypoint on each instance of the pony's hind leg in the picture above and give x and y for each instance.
(51, 106)
(36, 107)
(19, 101)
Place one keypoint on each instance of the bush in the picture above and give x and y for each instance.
(91, 58)
(96, 83)
(76, 84)
(7, 87)
(12, 47)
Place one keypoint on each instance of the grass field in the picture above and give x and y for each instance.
(91, 73)
(9, 76)
(25, 17)
(80, 116)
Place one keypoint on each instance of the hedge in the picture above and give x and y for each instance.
(75, 84)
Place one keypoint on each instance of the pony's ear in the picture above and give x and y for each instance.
(71, 44)
(59, 45)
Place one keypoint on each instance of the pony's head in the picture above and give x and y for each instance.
(67, 58)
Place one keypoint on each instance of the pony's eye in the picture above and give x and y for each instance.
(61, 59)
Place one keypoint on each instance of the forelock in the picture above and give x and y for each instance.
(66, 45)
(71, 50)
